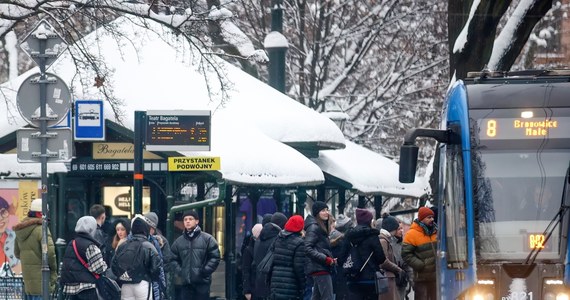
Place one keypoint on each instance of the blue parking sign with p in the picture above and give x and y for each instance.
(89, 121)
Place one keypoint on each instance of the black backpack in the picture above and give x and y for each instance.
(354, 264)
(128, 261)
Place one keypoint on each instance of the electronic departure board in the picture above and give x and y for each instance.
(178, 130)
(524, 128)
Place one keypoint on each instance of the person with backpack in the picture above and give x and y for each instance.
(362, 257)
(77, 279)
(262, 246)
(320, 261)
(392, 271)
(419, 252)
(136, 263)
(288, 273)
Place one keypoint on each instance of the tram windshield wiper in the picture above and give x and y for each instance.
(554, 222)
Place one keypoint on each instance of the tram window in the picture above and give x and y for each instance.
(454, 190)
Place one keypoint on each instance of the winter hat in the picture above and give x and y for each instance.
(390, 224)
(191, 213)
(140, 226)
(343, 223)
(36, 205)
(266, 219)
(256, 230)
(86, 224)
(279, 219)
(424, 212)
(363, 216)
(295, 224)
(151, 219)
(317, 207)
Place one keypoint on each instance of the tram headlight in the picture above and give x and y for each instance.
(562, 296)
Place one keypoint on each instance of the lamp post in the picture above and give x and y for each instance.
(276, 45)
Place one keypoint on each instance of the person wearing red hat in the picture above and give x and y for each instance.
(288, 275)
(419, 252)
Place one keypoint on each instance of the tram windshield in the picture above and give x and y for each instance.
(518, 195)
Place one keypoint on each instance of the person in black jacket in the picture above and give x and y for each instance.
(370, 253)
(320, 261)
(78, 281)
(195, 256)
(288, 274)
(136, 263)
(247, 260)
(266, 237)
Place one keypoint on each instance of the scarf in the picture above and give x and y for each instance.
(191, 234)
(429, 230)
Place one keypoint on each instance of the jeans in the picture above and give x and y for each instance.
(322, 288)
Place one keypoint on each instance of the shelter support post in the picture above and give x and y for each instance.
(361, 201)
(341, 200)
(301, 199)
(378, 205)
(140, 118)
(254, 194)
(321, 193)
(230, 243)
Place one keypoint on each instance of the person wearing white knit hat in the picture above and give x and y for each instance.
(28, 240)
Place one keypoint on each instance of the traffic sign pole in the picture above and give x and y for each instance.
(44, 45)
(43, 138)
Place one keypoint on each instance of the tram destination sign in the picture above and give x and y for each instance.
(178, 130)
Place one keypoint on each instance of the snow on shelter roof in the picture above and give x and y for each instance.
(368, 171)
(151, 74)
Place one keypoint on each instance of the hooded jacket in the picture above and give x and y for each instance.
(419, 251)
(261, 247)
(28, 249)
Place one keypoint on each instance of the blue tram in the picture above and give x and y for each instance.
(501, 176)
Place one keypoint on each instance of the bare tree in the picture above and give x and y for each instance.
(384, 63)
(204, 24)
(475, 40)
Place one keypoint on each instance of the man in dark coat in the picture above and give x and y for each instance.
(195, 256)
(266, 238)
(342, 225)
(288, 275)
(247, 261)
(370, 253)
(318, 251)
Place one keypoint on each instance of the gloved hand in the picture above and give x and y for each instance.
(329, 261)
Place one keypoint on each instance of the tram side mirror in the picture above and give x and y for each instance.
(408, 163)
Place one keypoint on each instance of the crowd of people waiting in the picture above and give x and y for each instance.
(313, 257)
(317, 257)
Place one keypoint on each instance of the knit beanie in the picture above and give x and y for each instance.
(279, 219)
(343, 223)
(317, 207)
(151, 219)
(363, 216)
(191, 213)
(256, 230)
(266, 219)
(424, 212)
(295, 224)
(390, 224)
(140, 226)
(86, 224)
